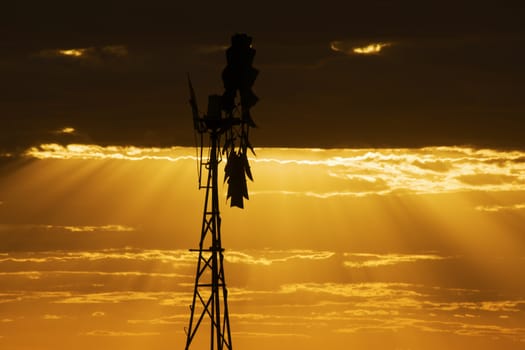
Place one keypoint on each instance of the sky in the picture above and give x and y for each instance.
(450, 72)
(388, 207)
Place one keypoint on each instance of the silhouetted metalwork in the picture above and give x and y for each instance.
(239, 75)
(223, 130)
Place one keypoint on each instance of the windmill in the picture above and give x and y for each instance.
(222, 131)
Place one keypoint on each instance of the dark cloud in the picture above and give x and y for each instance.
(453, 73)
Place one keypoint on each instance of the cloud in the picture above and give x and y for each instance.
(93, 54)
(289, 309)
(157, 298)
(52, 317)
(451, 327)
(469, 329)
(370, 49)
(429, 170)
(269, 257)
(115, 297)
(82, 151)
(100, 228)
(126, 253)
(488, 306)
(269, 335)
(19, 296)
(344, 172)
(349, 47)
(66, 130)
(434, 165)
(176, 319)
(35, 275)
(465, 316)
(354, 290)
(360, 260)
(319, 195)
(498, 208)
(71, 228)
(175, 258)
(489, 179)
(32, 275)
(476, 330)
(106, 333)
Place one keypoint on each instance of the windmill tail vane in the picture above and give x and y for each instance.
(194, 108)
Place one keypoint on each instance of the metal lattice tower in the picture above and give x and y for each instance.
(210, 297)
(225, 128)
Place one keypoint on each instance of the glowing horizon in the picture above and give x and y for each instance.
(372, 171)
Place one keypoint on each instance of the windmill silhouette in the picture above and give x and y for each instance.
(223, 130)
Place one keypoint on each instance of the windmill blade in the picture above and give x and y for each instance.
(194, 108)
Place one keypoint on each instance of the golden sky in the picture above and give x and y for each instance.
(341, 248)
